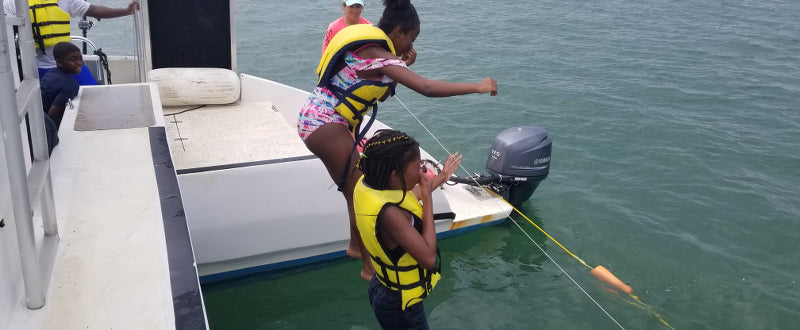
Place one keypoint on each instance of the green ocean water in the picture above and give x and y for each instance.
(676, 162)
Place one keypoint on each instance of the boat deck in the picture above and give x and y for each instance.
(118, 239)
(241, 132)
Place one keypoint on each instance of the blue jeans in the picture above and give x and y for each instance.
(386, 304)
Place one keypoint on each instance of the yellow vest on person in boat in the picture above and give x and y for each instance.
(356, 100)
(50, 23)
(406, 275)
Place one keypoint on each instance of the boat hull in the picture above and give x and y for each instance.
(257, 200)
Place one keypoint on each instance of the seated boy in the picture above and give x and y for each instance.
(58, 87)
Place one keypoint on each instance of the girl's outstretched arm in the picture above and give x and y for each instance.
(420, 84)
(438, 88)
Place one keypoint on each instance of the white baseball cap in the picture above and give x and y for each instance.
(353, 2)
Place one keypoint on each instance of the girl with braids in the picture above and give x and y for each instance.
(359, 68)
(397, 231)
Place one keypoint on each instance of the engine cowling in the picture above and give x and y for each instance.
(520, 159)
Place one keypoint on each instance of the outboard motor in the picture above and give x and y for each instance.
(518, 161)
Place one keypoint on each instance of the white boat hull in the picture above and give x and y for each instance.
(272, 205)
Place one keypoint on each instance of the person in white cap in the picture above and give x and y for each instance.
(352, 15)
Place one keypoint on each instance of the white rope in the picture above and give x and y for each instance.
(565, 272)
(512, 219)
(433, 136)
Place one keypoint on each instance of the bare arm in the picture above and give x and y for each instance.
(422, 85)
(397, 223)
(99, 11)
(438, 88)
(450, 166)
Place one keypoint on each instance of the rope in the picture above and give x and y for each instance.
(540, 229)
(520, 228)
(565, 272)
(636, 301)
(434, 137)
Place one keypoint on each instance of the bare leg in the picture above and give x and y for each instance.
(333, 144)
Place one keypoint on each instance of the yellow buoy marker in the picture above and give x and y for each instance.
(604, 275)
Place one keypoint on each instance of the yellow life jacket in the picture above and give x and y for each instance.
(356, 100)
(50, 23)
(406, 275)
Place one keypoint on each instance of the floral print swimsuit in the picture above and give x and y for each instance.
(319, 107)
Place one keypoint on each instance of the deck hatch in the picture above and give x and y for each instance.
(117, 107)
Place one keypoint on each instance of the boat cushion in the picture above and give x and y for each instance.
(195, 86)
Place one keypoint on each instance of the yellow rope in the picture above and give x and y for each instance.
(638, 303)
(540, 229)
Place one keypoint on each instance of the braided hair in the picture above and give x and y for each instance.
(387, 151)
(399, 13)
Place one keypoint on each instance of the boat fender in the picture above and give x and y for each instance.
(195, 86)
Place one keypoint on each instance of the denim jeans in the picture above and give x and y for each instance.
(386, 304)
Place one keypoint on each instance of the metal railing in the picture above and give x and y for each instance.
(22, 120)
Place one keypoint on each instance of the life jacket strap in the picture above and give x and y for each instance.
(53, 35)
(43, 5)
(50, 23)
(342, 95)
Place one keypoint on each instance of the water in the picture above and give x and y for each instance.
(676, 157)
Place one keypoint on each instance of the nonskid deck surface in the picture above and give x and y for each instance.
(242, 132)
(473, 205)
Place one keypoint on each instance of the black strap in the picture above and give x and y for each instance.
(342, 95)
(37, 34)
(359, 135)
(49, 23)
(53, 35)
(446, 215)
(43, 5)
(359, 132)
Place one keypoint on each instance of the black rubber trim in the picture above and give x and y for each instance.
(186, 295)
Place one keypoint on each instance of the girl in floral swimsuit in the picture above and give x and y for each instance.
(327, 134)
(319, 107)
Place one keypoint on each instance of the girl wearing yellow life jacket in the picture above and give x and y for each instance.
(361, 75)
(397, 231)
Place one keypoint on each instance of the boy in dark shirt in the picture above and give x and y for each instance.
(58, 87)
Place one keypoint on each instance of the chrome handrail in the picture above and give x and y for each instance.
(84, 39)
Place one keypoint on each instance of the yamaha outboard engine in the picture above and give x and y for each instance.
(518, 161)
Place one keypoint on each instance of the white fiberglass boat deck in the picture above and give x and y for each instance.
(124, 259)
(92, 236)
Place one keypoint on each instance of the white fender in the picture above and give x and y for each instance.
(196, 86)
